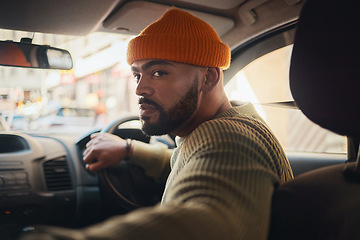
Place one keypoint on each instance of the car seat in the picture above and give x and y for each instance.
(325, 84)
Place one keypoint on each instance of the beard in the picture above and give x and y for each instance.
(177, 115)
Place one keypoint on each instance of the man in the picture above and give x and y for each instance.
(227, 162)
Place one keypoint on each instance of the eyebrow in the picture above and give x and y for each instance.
(152, 63)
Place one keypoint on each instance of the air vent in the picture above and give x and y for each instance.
(57, 175)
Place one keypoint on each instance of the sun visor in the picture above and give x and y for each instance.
(225, 4)
(60, 17)
(134, 16)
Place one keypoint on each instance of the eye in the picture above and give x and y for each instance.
(159, 73)
(137, 77)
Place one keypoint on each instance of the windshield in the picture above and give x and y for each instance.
(98, 90)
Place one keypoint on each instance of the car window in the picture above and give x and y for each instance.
(265, 83)
(97, 91)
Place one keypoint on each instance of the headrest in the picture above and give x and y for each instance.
(325, 65)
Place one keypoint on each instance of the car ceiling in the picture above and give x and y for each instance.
(236, 21)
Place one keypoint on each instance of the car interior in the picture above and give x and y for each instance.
(43, 179)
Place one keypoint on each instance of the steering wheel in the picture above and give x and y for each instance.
(126, 187)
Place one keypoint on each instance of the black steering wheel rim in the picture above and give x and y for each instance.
(126, 184)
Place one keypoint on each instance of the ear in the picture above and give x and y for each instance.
(212, 79)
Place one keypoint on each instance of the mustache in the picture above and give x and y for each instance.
(150, 102)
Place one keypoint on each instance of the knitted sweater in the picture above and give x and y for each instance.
(220, 187)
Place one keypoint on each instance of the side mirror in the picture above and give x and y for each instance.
(26, 54)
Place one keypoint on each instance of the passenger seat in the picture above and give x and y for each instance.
(325, 83)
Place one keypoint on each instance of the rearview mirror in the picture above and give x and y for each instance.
(25, 54)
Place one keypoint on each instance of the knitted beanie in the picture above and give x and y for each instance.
(180, 37)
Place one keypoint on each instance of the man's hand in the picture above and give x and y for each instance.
(107, 149)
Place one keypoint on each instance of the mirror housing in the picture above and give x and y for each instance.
(26, 54)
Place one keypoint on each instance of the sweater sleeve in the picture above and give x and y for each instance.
(153, 158)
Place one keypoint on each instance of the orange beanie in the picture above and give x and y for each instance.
(180, 37)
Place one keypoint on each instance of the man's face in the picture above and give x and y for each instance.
(168, 94)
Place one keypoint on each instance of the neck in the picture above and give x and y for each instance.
(205, 112)
(223, 107)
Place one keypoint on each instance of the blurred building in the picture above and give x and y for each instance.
(100, 78)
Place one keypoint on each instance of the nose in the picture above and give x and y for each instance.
(144, 87)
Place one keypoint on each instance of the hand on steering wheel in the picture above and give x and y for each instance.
(108, 150)
(124, 185)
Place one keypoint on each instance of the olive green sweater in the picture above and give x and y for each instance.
(222, 179)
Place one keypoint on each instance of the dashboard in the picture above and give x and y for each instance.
(42, 181)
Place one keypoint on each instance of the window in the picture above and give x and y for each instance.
(265, 83)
